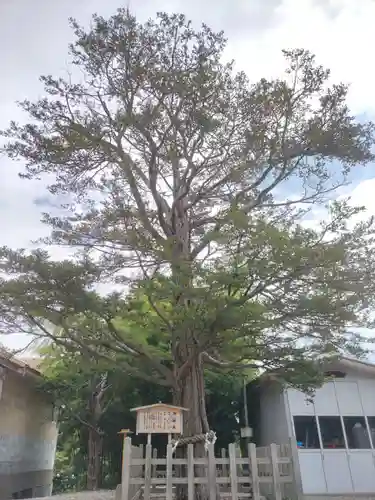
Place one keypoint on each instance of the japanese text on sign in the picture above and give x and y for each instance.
(153, 421)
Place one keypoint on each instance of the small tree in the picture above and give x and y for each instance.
(192, 184)
(80, 387)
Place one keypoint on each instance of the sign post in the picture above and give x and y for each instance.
(124, 433)
(159, 418)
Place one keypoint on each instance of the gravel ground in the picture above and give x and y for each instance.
(97, 495)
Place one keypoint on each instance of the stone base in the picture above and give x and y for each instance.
(39, 483)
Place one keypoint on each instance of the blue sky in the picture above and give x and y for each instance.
(34, 37)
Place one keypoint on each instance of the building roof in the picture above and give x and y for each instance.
(26, 367)
(340, 364)
(353, 364)
(158, 405)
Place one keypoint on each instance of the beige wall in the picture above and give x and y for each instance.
(27, 437)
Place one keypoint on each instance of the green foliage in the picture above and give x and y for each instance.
(179, 171)
(68, 476)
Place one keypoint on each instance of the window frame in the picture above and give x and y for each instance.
(316, 418)
(313, 417)
(372, 437)
(362, 420)
(344, 440)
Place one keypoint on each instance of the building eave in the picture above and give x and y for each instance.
(343, 363)
(10, 362)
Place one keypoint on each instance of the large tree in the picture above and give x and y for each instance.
(183, 178)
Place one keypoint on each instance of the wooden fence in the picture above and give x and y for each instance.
(264, 473)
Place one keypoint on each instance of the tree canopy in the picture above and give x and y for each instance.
(190, 186)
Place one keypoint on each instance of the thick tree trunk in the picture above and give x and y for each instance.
(95, 447)
(189, 391)
(191, 395)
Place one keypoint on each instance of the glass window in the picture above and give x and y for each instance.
(306, 432)
(335, 374)
(356, 433)
(371, 424)
(331, 432)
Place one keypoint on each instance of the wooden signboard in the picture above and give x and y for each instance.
(159, 418)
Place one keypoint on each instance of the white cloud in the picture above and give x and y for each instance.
(363, 194)
(34, 37)
(339, 32)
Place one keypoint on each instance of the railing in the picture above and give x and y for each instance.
(265, 472)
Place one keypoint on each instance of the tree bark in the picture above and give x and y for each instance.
(190, 394)
(95, 448)
(189, 391)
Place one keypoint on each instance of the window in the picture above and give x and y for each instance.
(331, 432)
(27, 493)
(356, 433)
(335, 374)
(371, 424)
(306, 432)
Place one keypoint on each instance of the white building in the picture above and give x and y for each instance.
(335, 432)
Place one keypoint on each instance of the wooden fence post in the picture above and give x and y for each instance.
(224, 468)
(275, 472)
(190, 472)
(126, 468)
(211, 472)
(254, 474)
(296, 468)
(233, 471)
(154, 467)
(169, 471)
(147, 489)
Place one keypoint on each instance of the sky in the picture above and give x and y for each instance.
(34, 38)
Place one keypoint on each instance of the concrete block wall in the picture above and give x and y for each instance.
(28, 437)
